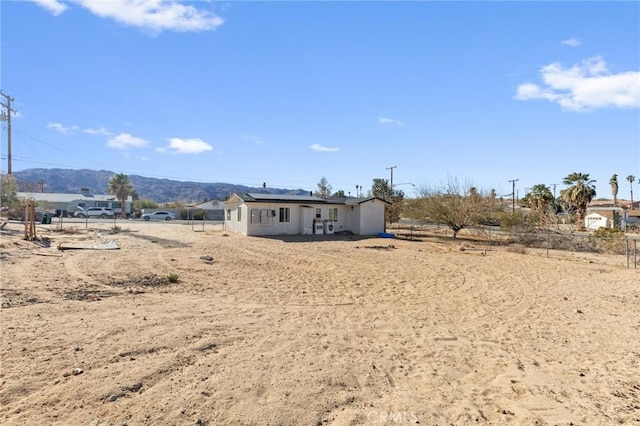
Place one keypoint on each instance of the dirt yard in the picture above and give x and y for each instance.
(185, 326)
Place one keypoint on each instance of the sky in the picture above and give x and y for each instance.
(285, 93)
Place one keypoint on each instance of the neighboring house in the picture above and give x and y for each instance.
(633, 217)
(274, 214)
(213, 210)
(605, 217)
(66, 204)
(594, 221)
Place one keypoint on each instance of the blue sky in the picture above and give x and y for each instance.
(288, 92)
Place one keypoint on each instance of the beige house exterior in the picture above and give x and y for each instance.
(255, 214)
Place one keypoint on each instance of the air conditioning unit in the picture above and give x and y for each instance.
(318, 228)
(329, 227)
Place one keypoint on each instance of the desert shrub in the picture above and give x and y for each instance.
(172, 278)
(554, 241)
(610, 240)
(517, 248)
(518, 222)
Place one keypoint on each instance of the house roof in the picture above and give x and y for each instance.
(283, 198)
(65, 198)
(633, 213)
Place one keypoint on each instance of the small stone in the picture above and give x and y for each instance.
(206, 257)
(77, 371)
(113, 398)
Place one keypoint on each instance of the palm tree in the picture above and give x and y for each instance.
(631, 179)
(120, 186)
(614, 189)
(579, 194)
(540, 198)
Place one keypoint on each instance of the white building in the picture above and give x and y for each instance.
(273, 214)
(66, 204)
(605, 217)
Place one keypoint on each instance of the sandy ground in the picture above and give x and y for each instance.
(299, 331)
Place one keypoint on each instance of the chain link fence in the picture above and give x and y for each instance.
(623, 248)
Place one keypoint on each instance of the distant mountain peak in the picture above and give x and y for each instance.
(70, 181)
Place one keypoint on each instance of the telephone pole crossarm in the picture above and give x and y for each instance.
(391, 181)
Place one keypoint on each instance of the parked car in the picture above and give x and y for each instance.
(101, 212)
(161, 215)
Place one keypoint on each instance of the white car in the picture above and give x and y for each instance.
(101, 212)
(161, 215)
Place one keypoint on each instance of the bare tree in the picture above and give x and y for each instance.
(381, 189)
(324, 189)
(455, 205)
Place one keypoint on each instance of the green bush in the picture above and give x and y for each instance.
(611, 240)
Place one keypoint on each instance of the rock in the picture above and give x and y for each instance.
(207, 258)
(77, 371)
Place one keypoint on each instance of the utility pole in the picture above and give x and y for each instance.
(41, 184)
(391, 181)
(554, 190)
(8, 118)
(513, 195)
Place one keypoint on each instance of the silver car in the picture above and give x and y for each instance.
(161, 215)
(101, 212)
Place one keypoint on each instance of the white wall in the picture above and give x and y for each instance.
(364, 219)
(371, 217)
(594, 221)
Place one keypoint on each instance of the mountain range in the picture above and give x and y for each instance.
(71, 181)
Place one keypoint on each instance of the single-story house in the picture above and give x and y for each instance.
(258, 214)
(633, 217)
(605, 217)
(594, 221)
(212, 210)
(66, 204)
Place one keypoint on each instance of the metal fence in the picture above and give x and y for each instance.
(623, 248)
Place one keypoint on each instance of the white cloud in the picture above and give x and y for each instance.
(317, 147)
(585, 87)
(253, 139)
(153, 15)
(53, 6)
(573, 42)
(188, 146)
(62, 129)
(99, 131)
(126, 141)
(384, 120)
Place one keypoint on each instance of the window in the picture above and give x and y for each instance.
(318, 213)
(333, 214)
(102, 204)
(285, 214)
(115, 205)
(229, 215)
(239, 218)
